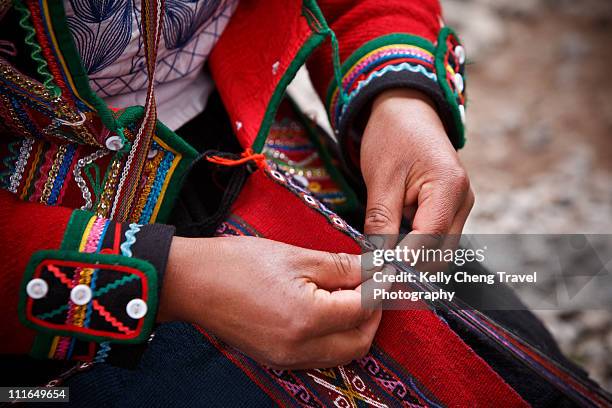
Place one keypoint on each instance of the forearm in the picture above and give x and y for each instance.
(399, 45)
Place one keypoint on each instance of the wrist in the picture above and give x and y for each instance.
(400, 98)
(412, 114)
(172, 301)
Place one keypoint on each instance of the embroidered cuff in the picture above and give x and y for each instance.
(95, 299)
(395, 61)
(89, 296)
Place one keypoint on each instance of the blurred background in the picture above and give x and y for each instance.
(539, 149)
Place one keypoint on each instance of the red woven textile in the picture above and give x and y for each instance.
(423, 345)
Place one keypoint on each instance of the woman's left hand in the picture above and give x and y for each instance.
(410, 167)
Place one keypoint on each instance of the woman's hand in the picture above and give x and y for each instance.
(277, 303)
(410, 167)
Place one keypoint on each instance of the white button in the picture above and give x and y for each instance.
(114, 143)
(238, 125)
(37, 288)
(136, 308)
(462, 113)
(152, 153)
(460, 53)
(459, 82)
(80, 295)
(275, 67)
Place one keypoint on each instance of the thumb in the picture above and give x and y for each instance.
(334, 271)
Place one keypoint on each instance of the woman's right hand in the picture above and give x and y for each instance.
(277, 303)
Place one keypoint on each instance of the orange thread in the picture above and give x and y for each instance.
(246, 156)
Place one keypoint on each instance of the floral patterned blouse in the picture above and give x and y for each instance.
(108, 36)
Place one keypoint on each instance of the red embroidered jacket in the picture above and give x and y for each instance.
(74, 280)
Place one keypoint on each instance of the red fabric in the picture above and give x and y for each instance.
(279, 215)
(424, 345)
(417, 339)
(24, 229)
(357, 22)
(242, 65)
(252, 55)
(259, 35)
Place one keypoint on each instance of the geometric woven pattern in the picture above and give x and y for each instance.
(289, 148)
(106, 311)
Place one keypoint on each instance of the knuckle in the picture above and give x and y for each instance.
(343, 264)
(460, 178)
(378, 215)
(300, 328)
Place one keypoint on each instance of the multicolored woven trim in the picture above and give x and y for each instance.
(290, 149)
(375, 380)
(95, 253)
(403, 53)
(375, 64)
(78, 176)
(136, 160)
(450, 68)
(90, 243)
(50, 105)
(63, 156)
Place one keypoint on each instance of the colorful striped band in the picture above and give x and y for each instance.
(376, 63)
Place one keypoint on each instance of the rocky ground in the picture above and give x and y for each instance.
(539, 134)
(540, 125)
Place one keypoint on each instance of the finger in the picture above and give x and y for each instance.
(452, 239)
(462, 215)
(382, 282)
(336, 311)
(333, 271)
(432, 219)
(438, 204)
(371, 262)
(345, 309)
(437, 209)
(384, 210)
(340, 348)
